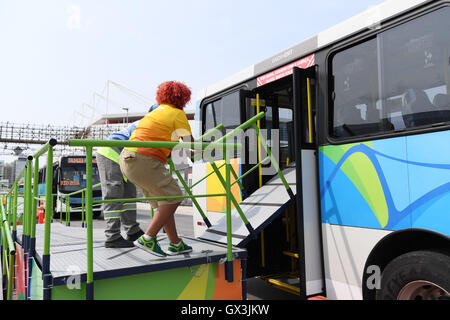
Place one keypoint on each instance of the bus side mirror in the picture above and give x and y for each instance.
(57, 175)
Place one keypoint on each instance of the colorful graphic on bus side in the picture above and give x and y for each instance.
(388, 184)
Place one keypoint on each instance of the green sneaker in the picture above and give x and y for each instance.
(181, 248)
(151, 246)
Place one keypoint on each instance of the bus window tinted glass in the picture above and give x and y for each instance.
(230, 110)
(73, 177)
(416, 80)
(286, 116)
(224, 111)
(209, 118)
(355, 74)
(397, 81)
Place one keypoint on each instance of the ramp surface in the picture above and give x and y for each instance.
(260, 208)
(68, 254)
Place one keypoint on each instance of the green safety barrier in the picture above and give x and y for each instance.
(89, 144)
(8, 251)
(67, 199)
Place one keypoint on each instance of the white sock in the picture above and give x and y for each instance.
(147, 237)
(177, 244)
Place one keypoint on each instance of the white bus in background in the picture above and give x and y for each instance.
(69, 175)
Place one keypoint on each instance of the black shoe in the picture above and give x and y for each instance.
(133, 237)
(119, 243)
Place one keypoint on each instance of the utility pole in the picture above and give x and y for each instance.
(126, 109)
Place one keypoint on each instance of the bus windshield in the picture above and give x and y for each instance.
(73, 176)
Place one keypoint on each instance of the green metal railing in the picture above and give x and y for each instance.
(31, 193)
(8, 251)
(68, 208)
(8, 217)
(28, 217)
(89, 144)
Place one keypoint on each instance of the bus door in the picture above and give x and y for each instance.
(276, 101)
(292, 240)
(309, 245)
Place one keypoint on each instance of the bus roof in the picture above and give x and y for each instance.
(367, 19)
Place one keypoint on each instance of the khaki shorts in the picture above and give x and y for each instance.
(151, 176)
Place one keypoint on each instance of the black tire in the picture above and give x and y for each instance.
(414, 275)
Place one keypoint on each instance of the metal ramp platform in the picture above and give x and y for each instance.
(69, 259)
(260, 208)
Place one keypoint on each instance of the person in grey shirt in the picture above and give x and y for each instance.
(115, 186)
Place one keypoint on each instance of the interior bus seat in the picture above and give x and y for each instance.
(355, 125)
(394, 120)
(349, 116)
(422, 110)
(375, 123)
(442, 101)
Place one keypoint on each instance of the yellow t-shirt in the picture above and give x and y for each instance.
(165, 123)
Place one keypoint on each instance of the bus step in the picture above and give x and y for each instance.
(291, 254)
(289, 283)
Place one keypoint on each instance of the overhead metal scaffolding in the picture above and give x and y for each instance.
(16, 139)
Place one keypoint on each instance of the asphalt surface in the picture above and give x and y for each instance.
(256, 288)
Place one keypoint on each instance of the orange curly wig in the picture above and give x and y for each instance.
(174, 93)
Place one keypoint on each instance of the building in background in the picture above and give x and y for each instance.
(2, 169)
(18, 165)
(8, 172)
(4, 183)
(124, 118)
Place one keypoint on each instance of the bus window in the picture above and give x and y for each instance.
(286, 117)
(355, 75)
(416, 68)
(230, 111)
(71, 178)
(224, 111)
(396, 81)
(276, 101)
(209, 120)
(73, 175)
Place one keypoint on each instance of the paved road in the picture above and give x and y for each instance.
(256, 288)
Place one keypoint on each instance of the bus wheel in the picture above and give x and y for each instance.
(417, 275)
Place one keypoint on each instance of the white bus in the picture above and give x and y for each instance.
(69, 175)
(363, 113)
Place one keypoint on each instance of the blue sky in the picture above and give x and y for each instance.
(56, 53)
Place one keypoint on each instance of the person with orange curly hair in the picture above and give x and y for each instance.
(145, 167)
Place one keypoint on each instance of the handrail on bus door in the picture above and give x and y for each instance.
(188, 190)
(228, 168)
(252, 122)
